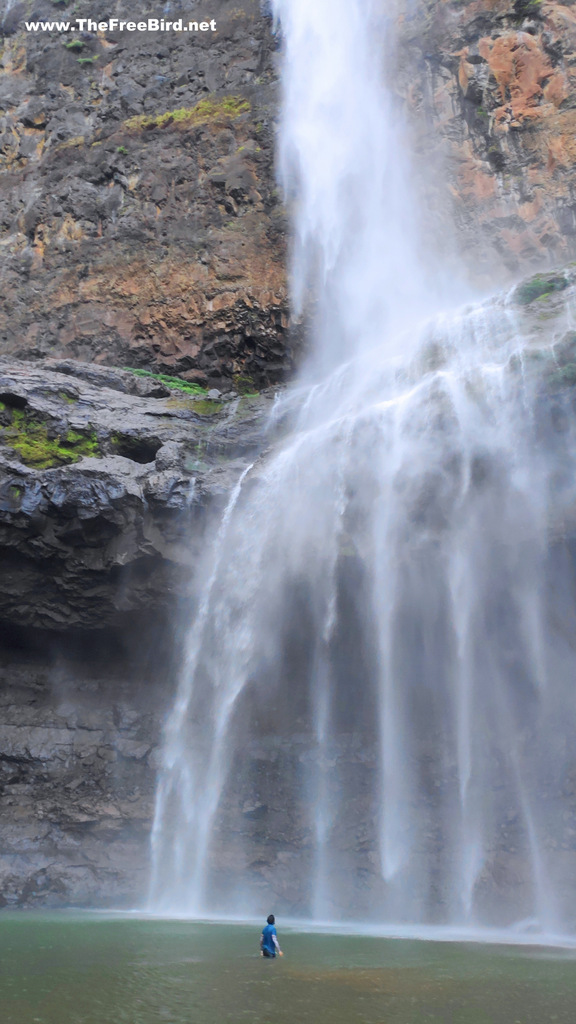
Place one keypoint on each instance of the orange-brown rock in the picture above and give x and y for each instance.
(492, 89)
(130, 236)
(140, 222)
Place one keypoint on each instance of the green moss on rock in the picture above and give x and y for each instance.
(538, 287)
(244, 385)
(32, 440)
(176, 383)
(224, 109)
(207, 407)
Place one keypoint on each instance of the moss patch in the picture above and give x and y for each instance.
(176, 383)
(207, 407)
(204, 112)
(78, 140)
(244, 385)
(32, 441)
(539, 287)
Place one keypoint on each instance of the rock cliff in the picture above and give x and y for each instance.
(79, 729)
(107, 480)
(491, 85)
(140, 219)
(141, 227)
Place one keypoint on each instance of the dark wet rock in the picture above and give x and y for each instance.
(118, 380)
(132, 238)
(78, 749)
(104, 490)
(539, 286)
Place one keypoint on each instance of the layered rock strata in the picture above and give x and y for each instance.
(491, 85)
(140, 216)
(79, 732)
(141, 226)
(107, 482)
(140, 219)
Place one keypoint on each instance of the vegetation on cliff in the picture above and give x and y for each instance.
(538, 287)
(41, 446)
(176, 383)
(226, 108)
(141, 199)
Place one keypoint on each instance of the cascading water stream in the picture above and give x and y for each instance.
(375, 715)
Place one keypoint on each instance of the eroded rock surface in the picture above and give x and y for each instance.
(104, 491)
(141, 226)
(79, 729)
(492, 88)
(140, 217)
(107, 481)
(138, 208)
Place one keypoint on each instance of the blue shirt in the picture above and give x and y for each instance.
(267, 940)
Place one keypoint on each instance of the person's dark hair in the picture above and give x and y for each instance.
(270, 919)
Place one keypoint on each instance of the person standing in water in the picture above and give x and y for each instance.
(269, 945)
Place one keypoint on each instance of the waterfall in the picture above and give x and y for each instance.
(375, 717)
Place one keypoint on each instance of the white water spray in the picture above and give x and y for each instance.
(375, 714)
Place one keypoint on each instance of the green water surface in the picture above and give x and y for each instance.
(91, 969)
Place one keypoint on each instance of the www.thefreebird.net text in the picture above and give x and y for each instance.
(117, 25)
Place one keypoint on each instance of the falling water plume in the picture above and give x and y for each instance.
(375, 715)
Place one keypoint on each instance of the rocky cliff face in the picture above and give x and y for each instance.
(141, 227)
(79, 728)
(492, 89)
(140, 220)
(140, 217)
(107, 480)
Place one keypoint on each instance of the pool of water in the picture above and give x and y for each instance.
(96, 969)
